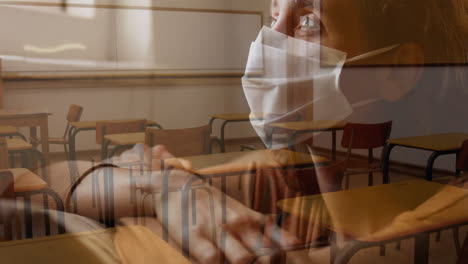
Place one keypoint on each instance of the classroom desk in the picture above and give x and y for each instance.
(229, 164)
(438, 144)
(128, 245)
(121, 141)
(75, 128)
(233, 118)
(377, 215)
(301, 127)
(31, 119)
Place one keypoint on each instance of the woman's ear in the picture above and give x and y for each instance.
(404, 75)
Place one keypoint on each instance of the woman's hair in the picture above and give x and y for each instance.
(440, 27)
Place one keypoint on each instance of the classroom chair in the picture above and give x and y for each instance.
(274, 185)
(25, 150)
(462, 160)
(461, 174)
(25, 185)
(179, 143)
(364, 136)
(73, 115)
(284, 136)
(7, 204)
(11, 131)
(121, 134)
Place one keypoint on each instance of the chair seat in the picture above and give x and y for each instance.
(142, 183)
(8, 130)
(57, 140)
(249, 147)
(17, 144)
(358, 167)
(126, 138)
(26, 180)
(51, 140)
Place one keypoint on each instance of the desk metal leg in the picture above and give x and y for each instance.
(333, 144)
(111, 197)
(386, 163)
(44, 138)
(223, 214)
(73, 167)
(106, 196)
(185, 223)
(28, 216)
(293, 141)
(457, 172)
(223, 126)
(421, 248)
(165, 200)
(184, 214)
(430, 165)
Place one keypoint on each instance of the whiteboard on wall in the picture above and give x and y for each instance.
(124, 40)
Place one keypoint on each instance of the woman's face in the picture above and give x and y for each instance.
(331, 23)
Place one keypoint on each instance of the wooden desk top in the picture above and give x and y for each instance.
(25, 180)
(238, 116)
(243, 161)
(437, 142)
(132, 244)
(5, 112)
(315, 125)
(126, 138)
(91, 125)
(385, 211)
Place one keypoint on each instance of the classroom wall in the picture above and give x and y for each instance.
(177, 104)
(174, 103)
(433, 106)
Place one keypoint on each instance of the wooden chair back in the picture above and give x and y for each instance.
(277, 118)
(273, 185)
(181, 142)
(118, 127)
(366, 136)
(462, 161)
(7, 192)
(4, 164)
(73, 115)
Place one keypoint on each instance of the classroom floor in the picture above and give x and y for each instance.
(440, 252)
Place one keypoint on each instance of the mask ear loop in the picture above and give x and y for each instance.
(372, 53)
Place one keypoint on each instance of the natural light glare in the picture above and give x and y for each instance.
(58, 48)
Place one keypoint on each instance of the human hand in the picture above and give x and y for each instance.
(245, 231)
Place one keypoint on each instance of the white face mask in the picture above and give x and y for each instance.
(278, 63)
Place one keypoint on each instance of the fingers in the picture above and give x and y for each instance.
(201, 248)
(278, 236)
(161, 152)
(234, 250)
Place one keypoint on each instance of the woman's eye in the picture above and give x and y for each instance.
(308, 22)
